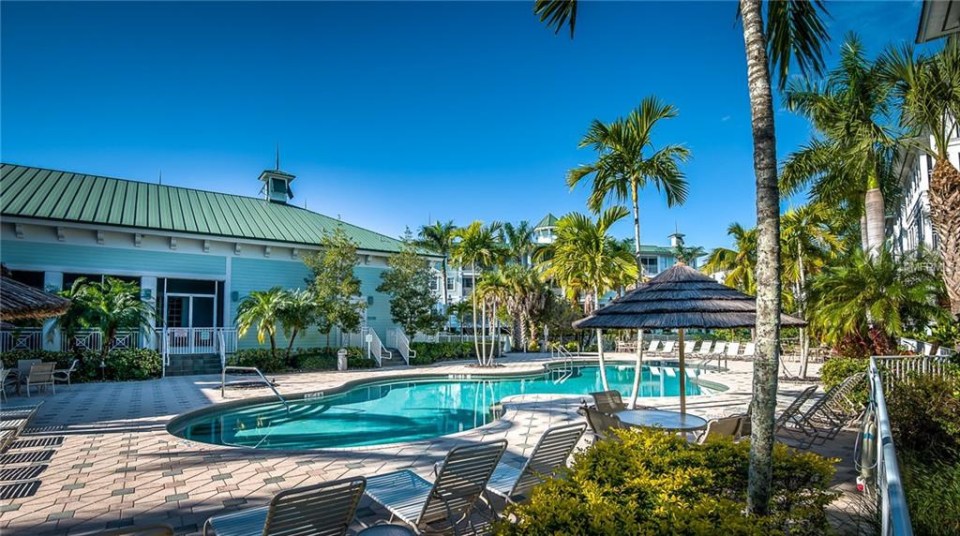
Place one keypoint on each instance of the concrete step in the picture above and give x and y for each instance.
(193, 364)
(396, 361)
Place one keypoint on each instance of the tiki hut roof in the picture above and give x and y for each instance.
(680, 297)
(19, 301)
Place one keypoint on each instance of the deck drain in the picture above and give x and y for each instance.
(27, 457)
(19, 491)
(22, 473)
(38, 442)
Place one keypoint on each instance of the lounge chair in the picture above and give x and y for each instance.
(704, 349)
(823, 421)
(652, 348)
(723, 427)
(12, 422)
(549, 455)
(668, 347)
(40, 376)
(688, 347)
(460, 483)
(7, 377)
(718, 348)
(601, 424)
(793, 409)
(626, 346)
(609, 401)
(322, 509)
(63, 375)
(749, 349)
(733, 350)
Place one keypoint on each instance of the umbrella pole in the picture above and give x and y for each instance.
(683, 374)
(637, 370)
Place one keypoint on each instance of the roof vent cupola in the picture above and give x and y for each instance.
(276, 185)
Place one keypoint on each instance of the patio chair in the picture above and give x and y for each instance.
(688, 347)
(822, 421)
(12, 422)
(7, 377)
(325, 509)
(704, 349)
(63, 375)
(718, 348)
(41, 376)
(654, 344)
(601, 424)
(668, 347)
(749, 349)
(450, 499)
(549, 455)
(793, 409)
(733, 350)
(609, 401)
(722, 427)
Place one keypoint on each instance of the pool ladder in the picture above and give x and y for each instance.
(566, 371)
(223, 382)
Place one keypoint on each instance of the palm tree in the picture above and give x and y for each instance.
(478, 245)
(880, 293)
(793, 34)
(519, 241)
(808, 242)
(626, 162)
(739, 265)
(113, 305)
(262, 308)
(928, 91)
(492, 290)
(586, 258)
(847, 161)
(298, 313)
(526, 299)
(438, 238)
(76, 317)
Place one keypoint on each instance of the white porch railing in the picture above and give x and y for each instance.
(21, 339)
(185, 341)
(923, 348)
(93, 339)
(374, 346)
(396, 338)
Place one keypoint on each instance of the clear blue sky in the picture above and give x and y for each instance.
(393, 113)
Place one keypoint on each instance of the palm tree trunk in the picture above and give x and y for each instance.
(864, 240)
(473, 299)
(293, 337)
(445, 294)
(944, 200)
(873, 208)
(636, 228)
(768, 259)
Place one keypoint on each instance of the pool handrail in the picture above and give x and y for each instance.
(894, 514)
(223, 382)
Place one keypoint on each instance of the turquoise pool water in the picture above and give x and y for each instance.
(409, 410)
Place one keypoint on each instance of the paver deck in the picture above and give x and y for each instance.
(111, 463)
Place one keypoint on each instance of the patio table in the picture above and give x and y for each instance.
(673, 421)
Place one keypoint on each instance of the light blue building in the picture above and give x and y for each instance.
(196, 254)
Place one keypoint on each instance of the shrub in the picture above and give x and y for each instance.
(837, 369)
(572, 346)
(932, 488)
(120, 364)
(650, 482)
(304, 358)
(262, 358)
(431, 352)
(925, 414)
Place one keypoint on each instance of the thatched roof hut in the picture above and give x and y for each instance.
(680, 297)
(19, 301)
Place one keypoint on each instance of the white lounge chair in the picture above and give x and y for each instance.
(688, 347)
(654, 344)
(549, 455)
(704, 349)
(749, 349)
(323, 510)
(450, 499)
(668, 347)
(733, 350)
(718, 348)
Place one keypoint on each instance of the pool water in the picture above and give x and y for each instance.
(408, 410)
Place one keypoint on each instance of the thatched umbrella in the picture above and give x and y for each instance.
(679, 298)
(19, 301)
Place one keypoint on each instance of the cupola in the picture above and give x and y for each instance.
(276, 185)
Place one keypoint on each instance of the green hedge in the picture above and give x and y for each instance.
(305, 358)
(120, 364)
(431, 352)
(649, 482)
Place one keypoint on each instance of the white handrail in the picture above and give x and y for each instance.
(222, 343)
(895, 516)
(396, 338)
(375, 347)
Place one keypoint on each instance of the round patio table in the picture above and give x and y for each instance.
(658, 418)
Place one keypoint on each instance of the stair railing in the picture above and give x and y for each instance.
(375, 347)
(396, 338)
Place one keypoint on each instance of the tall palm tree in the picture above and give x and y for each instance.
(627, 161)
(847, 161)
(808, 242)
(526, 299)
(928, 91)
(793, 35)
(478, 246)
(740, 264)
(585, 257)
(263, 309)
(492, 290)
(76, 317)
(519, 241)
(438, 238)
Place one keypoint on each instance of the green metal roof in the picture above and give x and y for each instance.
(76, 197)
(548, 221)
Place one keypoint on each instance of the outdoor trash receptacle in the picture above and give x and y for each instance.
(342, 359)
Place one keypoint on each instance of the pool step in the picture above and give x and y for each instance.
(193, 364)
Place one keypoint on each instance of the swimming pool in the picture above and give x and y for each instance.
(401, 410)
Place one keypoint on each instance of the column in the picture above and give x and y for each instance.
(52, 282)
(148, 294)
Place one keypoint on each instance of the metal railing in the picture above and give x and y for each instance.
(896, 368)
(198, 340)
(396, 338)
(223, 382)
(92, 339)
(368, 339)
(21, 339)
(894, 514)
(558, 351)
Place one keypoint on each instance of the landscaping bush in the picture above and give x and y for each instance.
(837, 369)
(933, 493)
(261, 358)
(925, 414)
(431, 352)
(305, 359)
(121, 364)
(650, 482)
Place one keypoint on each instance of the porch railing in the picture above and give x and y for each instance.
(21, 339)
(396, 338)
(180, 341)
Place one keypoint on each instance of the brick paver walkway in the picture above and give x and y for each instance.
(107, 460)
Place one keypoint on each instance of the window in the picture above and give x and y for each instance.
(649, 265)
(433, 284)
(467, 283)
(31, 279)
(451, 283)
(278, 185)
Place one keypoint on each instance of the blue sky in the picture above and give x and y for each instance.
(392, 114)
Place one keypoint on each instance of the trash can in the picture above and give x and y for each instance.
(342, 359)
